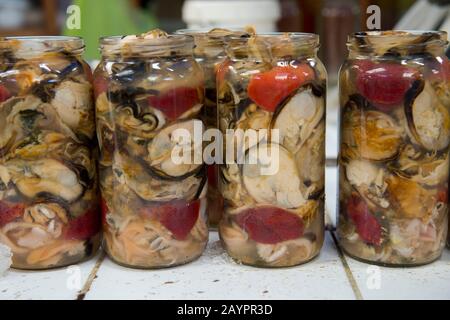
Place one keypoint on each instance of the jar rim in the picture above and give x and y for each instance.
(52, 43)
(303, 38)
(171, 39)
(430, 37)
(125, 45)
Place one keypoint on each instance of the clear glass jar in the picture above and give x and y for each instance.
(49, 208)
(394, 152)
(273, 86)
(210, 53)
(149, 88)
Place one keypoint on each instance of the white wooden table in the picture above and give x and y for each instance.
(216, 276)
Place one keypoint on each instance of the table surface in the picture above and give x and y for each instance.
(216, 276)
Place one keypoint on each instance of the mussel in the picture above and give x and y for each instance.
(298, 115)
(428, 118)
(370, 134)
(274, 177)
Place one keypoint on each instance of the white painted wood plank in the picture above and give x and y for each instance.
(426, 282)
(216, 276)
(58, 284)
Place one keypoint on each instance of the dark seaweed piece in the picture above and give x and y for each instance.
(88, 248)
(203, 174)
(128, 72)
(45, 89)
(410, 96)
(316, 195)
(158, 174)
(211, 94)
(359, 101)
(74, 66)
(81, 172)
(241, 107)
(29, 117)
(318, 88)
(127, 95)
(7, 60)
(46, 197)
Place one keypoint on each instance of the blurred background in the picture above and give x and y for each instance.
(332, 19)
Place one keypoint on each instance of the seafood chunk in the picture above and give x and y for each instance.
(423, 167)
(274, 178)
(310, 160)
(410, 198)
(298, 116)
(46, 176)
(372, 135)
(369, 180)
(73, 102)
(428, 119)
(152, 187)
(175, 151)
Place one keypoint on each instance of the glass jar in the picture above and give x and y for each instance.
(49, 208)
(271, 99)
(210, 53)
(394, 150)
(149, 89)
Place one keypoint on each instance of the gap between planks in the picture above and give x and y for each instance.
(87, 286)
(347, 269)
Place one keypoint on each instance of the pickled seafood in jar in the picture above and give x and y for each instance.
(271, 95)
(49, 204)
(394, 147)
(149, 89)
(210, 53)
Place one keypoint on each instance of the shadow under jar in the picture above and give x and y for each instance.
(272, 86)
(149, 89)
(49, 205)
(394, 152)
(210, 53)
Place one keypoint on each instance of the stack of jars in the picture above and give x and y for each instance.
(263, 99)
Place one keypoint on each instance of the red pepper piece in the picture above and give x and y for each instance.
(179, 217)
(270, 225)
(367, 226)
(100, 85)
(213, 175)
(85, 226)
(10, 212)
(269, 89)
(4, 94)
(442, 195)
(174, 102)
(384, 84)
(221, 70)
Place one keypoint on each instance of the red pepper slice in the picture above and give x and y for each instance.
(367, 226)
(100, 85)
(174, 102)
(442, 195)
(269, 89)
(10, 212)
(270, 225)
(179, 217)
(4, 94)
(213, 175)
(85, 226)
(87, 71)
(384, 84)
(221, 70)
